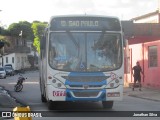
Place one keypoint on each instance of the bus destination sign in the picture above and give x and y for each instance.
(80, 23)
(84, 23)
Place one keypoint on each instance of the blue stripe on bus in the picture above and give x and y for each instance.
(85, 83)
(86, 74)
(69, 96)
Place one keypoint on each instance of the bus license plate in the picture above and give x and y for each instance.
(59, 93)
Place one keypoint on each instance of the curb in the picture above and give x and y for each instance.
(15, 99)
(146, 93)
(144, 98)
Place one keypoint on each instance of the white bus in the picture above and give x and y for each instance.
(81, 59)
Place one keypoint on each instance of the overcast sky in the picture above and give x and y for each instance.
(42, 10)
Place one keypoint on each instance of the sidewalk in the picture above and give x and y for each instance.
(7, 102)
(146, 93)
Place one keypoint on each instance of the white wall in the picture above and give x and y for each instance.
(9, 57)
(29, 44)
(20, 60)
(151, 19)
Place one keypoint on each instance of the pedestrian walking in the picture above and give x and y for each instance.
(137, 75)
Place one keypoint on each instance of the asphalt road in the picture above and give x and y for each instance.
(30, 95)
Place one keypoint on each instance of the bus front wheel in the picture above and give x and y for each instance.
(52, 105)
(107, 104)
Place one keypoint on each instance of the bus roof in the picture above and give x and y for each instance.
(67, 16)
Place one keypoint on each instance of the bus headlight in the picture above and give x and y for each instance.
(57, 83)
(113, 84)
(54, 81)
(116, 81)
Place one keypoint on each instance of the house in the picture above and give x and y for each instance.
(16, 54)
(18, 60)
(33, 53)
(153, 17)
(146, 50)
(143, 34)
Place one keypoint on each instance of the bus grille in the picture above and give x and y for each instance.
(86, 94)
(82, 86)
(85, 78)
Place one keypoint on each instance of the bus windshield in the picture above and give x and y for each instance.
(85, 51)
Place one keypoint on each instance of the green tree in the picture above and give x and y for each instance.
(38, 30)
(24, 26)
(3, 31)
(5, 40)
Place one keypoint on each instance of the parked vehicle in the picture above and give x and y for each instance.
(9, 71)
(19, 86)
(8, 65)
(2, 73)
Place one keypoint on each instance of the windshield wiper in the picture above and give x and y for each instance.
(73, 39)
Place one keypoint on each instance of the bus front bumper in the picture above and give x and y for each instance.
(56, 94)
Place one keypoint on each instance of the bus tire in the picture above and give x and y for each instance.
(107, 104)
(51, 105)
(43, 99)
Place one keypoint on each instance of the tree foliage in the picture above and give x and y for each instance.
(4, 31)
(5, 40)
(30, 31)
(24, 26)
(38, 30)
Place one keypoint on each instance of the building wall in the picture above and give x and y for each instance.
(139, 48)
(149, 19)
(9, 61)
(152, 74)
(139, 52)
(20, 60)
(136, 54)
